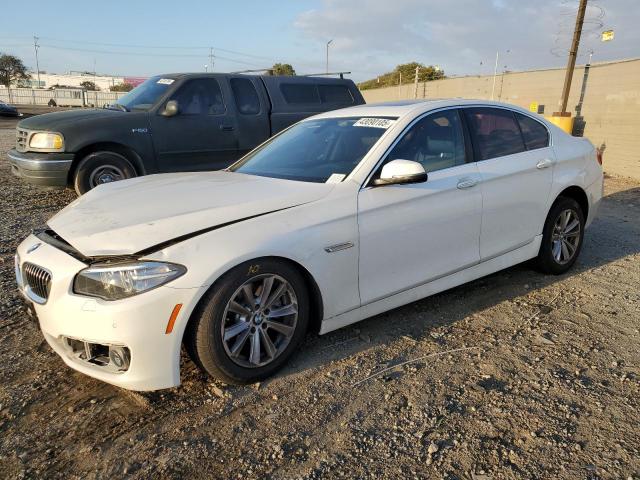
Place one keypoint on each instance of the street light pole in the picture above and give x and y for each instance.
(327, 65)
(36, 46)
(571, 64)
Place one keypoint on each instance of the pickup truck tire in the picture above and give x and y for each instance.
(101, 167)
(265, 299)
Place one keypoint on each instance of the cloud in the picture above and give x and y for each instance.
(462, 36)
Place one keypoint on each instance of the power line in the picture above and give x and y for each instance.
(159, 47)
(144, 54)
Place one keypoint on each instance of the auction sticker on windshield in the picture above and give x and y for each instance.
(165, 81)
(374, 122)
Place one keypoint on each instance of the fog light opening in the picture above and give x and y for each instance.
(119, 357)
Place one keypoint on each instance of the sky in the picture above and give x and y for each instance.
(142, 37)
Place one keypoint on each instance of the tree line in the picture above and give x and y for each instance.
(404, 73)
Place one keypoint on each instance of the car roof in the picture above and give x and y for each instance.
(400, 108)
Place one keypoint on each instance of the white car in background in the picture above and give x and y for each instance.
(340, 217)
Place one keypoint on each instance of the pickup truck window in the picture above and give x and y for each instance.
(299, 93)
(314, 150)
(200, 96)
(145, 95)
(246, 97)
(335, 94)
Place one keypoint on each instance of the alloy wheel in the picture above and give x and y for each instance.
(565, 237)
(259, 320)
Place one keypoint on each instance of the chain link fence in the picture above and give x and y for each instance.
(61, 97)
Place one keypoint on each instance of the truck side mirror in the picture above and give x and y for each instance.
(170, 109)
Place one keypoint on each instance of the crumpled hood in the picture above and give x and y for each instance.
(130, 216)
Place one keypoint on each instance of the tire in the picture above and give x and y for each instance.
(234, 359)
(559, 250)
(101, 167)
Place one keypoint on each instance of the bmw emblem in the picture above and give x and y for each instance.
(33, 247)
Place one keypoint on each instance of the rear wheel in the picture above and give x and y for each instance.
(250, 322)
(562, 237)
(101, 167)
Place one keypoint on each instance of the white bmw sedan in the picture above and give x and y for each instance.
(340, 217)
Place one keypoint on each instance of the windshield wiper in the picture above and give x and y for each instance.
(117, 106)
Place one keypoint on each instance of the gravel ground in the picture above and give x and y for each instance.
(547, 385)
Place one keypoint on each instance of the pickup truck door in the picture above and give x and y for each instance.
(204, 133)
(251, 106)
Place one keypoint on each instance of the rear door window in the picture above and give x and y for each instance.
(495, 132)
(535, 134)
(300, 93)
(246, 96)
(335, 94)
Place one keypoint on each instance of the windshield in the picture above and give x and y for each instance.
(320, 150)
(145, 95)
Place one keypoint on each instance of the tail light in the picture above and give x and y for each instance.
(599, 154)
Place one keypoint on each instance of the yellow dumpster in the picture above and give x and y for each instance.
(564, 122)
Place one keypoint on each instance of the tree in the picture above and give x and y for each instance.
(121, 87)
(12, 70)
(404, 73)
(89, 85)
(282, 69)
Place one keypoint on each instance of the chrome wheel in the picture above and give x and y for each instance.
(105, 174)
(259, 320)
(565, 237)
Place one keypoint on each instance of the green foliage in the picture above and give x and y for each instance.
(406, 71)
(89, 85)
(121, 87)
(12, 70)
(282, 69)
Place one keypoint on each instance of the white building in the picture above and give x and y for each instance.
(71, 79)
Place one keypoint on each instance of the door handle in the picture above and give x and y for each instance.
(227, 128)
(544, 163)
(467, 183)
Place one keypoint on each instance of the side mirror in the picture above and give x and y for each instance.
(170, 109)
(398, 172)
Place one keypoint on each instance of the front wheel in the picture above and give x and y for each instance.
(101, 167)
(562, 237)
(250, 322)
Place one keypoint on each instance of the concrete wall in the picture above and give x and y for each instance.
(611, 106)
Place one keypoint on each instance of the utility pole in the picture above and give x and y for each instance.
(571, 64)
(210, 58)
(579, 123)
(327, 64)
(415, 83)
(35, 47)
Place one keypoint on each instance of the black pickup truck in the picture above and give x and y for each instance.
(175, 122)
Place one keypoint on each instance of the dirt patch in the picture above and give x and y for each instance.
(551, 388)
